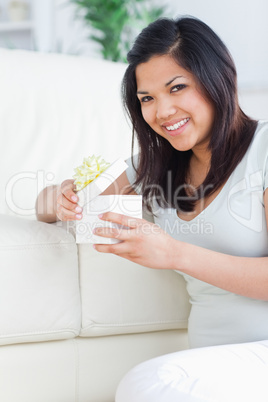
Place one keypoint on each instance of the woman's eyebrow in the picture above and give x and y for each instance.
(173, 79)
(166, 85)
(142, 92)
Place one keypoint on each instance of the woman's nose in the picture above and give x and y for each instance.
(165, 108)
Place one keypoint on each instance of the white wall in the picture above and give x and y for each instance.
(243, 26)
(71, 34)
(44, 24)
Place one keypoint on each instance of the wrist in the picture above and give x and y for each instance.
(181, 256)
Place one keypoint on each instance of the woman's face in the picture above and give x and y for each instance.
(173, 105)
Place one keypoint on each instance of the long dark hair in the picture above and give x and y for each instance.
(197, 49)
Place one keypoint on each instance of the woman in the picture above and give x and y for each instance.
(203, 171)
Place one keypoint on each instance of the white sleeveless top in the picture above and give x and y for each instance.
(233, 223)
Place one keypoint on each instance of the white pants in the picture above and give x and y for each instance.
(228, 373)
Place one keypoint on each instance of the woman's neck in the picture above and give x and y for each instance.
(199, 167)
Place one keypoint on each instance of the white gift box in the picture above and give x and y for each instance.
(95, 204)
(130, 205)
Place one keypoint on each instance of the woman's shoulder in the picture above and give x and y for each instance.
(260, 139)
(261, 132)
(257, 154)
(259, 143)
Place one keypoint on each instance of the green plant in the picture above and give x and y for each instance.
(115, 23)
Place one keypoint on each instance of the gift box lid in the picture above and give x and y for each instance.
(102, 182)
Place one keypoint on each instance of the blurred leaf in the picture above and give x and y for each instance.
(114, 24)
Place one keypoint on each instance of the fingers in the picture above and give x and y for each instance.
(123, 220)
(123, 232)
(67, 203)
(120, 249)
(140, 239)
(67, 189)
(66, 215)
(118, 233)
(127, 228)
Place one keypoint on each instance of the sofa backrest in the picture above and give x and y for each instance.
(54, 110)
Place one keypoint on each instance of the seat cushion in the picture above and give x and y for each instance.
(121, 297)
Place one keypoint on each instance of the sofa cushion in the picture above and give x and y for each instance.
(39, 290)
(120, 297)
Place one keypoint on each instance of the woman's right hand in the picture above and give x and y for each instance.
(67, 208)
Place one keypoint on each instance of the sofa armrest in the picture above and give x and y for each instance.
(39, 289)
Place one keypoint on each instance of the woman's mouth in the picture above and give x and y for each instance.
(177, 127)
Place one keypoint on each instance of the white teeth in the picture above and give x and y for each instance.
(177, 125)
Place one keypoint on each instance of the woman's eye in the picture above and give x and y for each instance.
(177, 88)
(145, 99)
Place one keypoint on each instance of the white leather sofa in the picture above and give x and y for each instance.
(72, 321)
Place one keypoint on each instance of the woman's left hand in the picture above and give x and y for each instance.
(140, 241)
